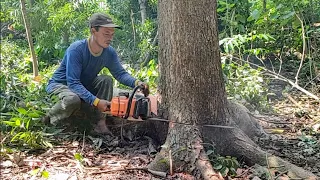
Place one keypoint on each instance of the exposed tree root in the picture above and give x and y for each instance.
(205, 167)
(236, 143)
(189, 154)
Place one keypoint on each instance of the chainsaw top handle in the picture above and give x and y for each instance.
(130, 101)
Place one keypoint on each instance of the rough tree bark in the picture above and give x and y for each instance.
(192, 92)
(29, 37)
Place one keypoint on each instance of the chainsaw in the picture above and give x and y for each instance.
(134, 106)
(137, 107)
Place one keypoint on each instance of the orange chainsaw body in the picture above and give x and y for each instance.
(119, 106)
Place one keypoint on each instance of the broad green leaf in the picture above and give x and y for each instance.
(78, 157)
(233, 171)
(241, 38)
(28, 124)
(33, 115)
(279, 6)
(255, 14)
(23, 135)
(34, 172)
(217, 166)
(209, 152)
(45, 174)
(265, 37)
(10, 123)
(22, 111)
(219, 10)
(288, 15)
(224, 171)
(17, 136)
(274, 16)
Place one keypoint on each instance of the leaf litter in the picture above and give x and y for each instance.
(294, 135)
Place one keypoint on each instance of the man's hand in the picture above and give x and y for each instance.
(144, 88)
(103, 105)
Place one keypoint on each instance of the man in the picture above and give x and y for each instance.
(76, 78)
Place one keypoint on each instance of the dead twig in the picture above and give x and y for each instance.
(83, 140)
(170, 163)
(292, 100)
(158, 173)
(303, 48)
(282, 173)
(318, 75)
(244, 172)
(273, 122)
(120, 169)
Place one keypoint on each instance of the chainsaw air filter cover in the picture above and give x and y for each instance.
(141, 107)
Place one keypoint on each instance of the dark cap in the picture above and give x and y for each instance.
(103, 20)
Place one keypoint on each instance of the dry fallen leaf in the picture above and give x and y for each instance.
(37, 78)
(274, 131)
(6, 164)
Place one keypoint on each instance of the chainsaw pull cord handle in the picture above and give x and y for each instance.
(130, 101)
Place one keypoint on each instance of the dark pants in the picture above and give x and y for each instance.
(69, 102)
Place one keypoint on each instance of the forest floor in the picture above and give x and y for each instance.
(293, 126)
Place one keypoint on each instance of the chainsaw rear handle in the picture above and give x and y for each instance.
(130, 101)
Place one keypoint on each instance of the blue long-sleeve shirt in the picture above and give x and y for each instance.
(79, 68)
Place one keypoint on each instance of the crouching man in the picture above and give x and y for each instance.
(77, 78)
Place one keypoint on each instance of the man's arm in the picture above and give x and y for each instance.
(118, 72)
(73, 73)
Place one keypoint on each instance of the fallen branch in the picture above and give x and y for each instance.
(282, 78)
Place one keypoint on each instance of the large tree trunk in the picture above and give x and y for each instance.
(193, 94)
(191, 84)
(29, 37)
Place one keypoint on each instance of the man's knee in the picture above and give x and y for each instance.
(72, 101)
(105, 79)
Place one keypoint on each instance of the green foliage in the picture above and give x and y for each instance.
(13, 59)
(44, 173)
(246, 85)
(148, 74)
(23, 127)
(20, 114)
(23, 100)
(225, 165)
(242, 44)
(254, 28)
(78, 157)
